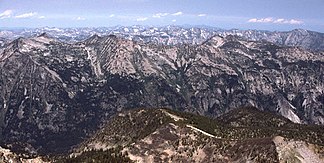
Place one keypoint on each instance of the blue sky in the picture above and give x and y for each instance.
(227, 14)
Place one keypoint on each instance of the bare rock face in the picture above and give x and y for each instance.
(7, 156)
(295, 151)
(53, 94)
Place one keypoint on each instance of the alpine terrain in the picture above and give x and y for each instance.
(231, 95)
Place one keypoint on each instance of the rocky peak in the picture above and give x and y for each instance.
(44, 34)
(301, 31)
(216, 41)
(92, 39)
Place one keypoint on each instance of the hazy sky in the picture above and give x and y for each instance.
(241, 14)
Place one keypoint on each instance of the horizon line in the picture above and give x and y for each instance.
(170, 25)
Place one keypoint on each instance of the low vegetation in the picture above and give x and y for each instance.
(249, 122)
(113, 155)
(245, 132)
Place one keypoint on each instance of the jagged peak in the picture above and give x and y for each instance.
(217, 37)
(111, 36)
(228, 38)
(44, 38)
(234, 38)
(100, 39)
(15, 43)
(93, 38)
(44, 34)
(217, 40)
(301, 31)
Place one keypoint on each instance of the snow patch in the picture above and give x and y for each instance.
(304, 104)
(25, 91)
(71, 94)
(201, 131)
(4, 104)
(219, 41)
(287, 111)
(174, 117)
(20, 114)
(94, 63)
(53, 73)
(68, 58)
(48, 107)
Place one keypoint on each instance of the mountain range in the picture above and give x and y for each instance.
(59, 92)
(172, 35)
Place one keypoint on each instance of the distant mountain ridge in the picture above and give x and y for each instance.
(172, 35)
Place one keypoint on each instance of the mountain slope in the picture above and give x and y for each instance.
(53, 94)
(182, 138)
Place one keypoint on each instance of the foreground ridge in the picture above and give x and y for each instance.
(184, 139)
(163, 135)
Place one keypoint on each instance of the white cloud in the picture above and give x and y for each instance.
(174, 20)
(141, 19)
(80, 18)
(41, 17)
(6, 14)
(293, 21)
(177, 13)
(267, 20)
(200, 15)
(262, 20)
(112, 15)
(26, 15)
(276, 21)
(159, 15)
(279, 21)
(253, 20)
